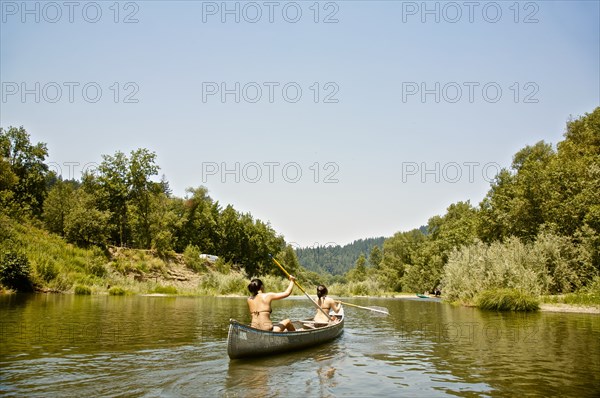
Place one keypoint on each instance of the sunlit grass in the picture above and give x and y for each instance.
(82, 290)
(579, 298)
(506, 300)
(165, 289)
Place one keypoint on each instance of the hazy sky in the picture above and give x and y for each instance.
(334, 121)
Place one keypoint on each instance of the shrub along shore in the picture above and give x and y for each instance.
(532, 242)
(48, 264)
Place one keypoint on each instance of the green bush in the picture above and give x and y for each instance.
(162, 244)
(506, 300)
(500, 265)
(96, 268)
(83, 290)
(165, 289)
(234, 283)
(15, 272)
(117, 291)
(191, 257)
(47, 270)
(61, 283)
(222, 266)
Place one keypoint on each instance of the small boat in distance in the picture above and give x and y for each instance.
(244, 341)
(422, 295)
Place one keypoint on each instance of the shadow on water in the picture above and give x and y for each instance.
(309, 372)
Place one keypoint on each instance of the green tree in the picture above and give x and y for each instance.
(164, 222)
(84, 224)
(375, 257)
(142, 167)
(287, 257)
(359, 272)
(110, 185)
(514, 205)
(24, 173)
(57, 205)
(399, 252)
(454, 229)
(15, 271)
(572, 187)
(198, 224)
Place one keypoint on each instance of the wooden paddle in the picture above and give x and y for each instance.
(300, 287)
(381, 310)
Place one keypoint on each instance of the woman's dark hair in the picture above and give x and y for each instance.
(255, 286)
(321, 291)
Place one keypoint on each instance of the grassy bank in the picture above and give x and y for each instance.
(53, 265)
(50, 264)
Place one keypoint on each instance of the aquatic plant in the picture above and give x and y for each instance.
(506, 300)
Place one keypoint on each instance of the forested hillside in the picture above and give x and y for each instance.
(122, 203)
(537, 230)
(336, 260)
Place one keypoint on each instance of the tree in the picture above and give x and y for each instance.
(8, 179)
(454, 229)
(359, 272)
(24, 173)
(399, 252)
(15, 271)
(375, 257)
(287, 257)
(163, 223)
(122, 186)
(198, 224)
(141, 190)
(84, 224)
(573, 182)
(57, 205)
(111, 187)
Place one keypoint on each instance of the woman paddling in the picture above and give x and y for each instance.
(260, 306)
(327, 304)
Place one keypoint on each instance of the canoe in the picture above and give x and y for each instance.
(244, 341)
(422, 296)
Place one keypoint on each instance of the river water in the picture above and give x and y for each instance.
(79, 346)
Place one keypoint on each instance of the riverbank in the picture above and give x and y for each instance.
(544, 307)
(55, 266)
(191, 292)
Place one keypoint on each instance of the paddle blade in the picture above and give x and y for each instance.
(380, 311)
(375, 310)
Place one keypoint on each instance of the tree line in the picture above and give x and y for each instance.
(123, 203)
(336, 259)
(537, 229)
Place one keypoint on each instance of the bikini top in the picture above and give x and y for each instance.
(258, 312)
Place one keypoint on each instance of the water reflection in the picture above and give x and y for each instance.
(165, 346)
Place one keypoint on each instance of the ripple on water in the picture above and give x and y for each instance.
(177, 347)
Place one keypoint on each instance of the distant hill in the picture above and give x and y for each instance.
(336, 260)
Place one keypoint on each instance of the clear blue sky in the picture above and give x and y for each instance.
(408, 118)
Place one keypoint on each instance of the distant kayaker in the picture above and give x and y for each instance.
(260, 306)
(326, 303)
